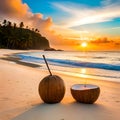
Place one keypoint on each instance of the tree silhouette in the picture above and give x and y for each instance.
(4, 23)
(14, 25)
(21, 25)
(14, 37)
(9, 24)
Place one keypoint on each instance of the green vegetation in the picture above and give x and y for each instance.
(13, 37)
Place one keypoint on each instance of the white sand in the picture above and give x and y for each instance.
(19, 98)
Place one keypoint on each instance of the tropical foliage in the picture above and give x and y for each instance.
(19, 37)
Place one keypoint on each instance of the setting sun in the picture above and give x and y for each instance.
(84, 44)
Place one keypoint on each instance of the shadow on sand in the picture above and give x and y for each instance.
(71, 111)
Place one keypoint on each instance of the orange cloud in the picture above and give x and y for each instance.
(13, 8)
(18, 11)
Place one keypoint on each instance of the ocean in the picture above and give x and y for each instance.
(96, 65)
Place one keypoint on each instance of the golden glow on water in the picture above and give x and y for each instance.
(83, 73)
(83, 70)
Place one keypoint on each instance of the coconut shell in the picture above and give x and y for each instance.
(51, 89)
(87, 95)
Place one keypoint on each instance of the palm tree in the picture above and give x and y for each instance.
(14, 25)
(4, 23)
(33, 29)
(27, 27)
(9, 24)
(21, 25)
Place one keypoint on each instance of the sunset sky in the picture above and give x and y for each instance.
(68, 23)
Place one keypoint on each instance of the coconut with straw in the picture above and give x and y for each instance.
(51, 88)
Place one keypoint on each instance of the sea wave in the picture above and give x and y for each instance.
(70, 63)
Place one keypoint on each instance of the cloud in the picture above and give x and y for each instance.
(17, 11)
(114, 28)
(81, 14)
(106, 2)
(13, 7)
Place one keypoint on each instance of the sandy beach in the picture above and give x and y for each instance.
(19, 98)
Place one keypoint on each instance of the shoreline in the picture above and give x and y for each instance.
(19, 98)
(13, 58)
